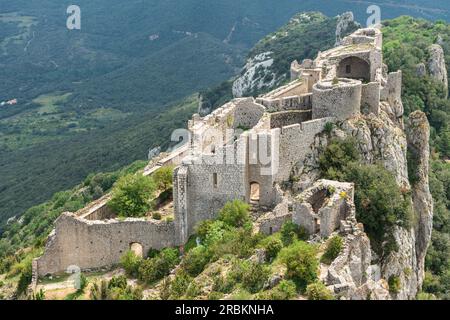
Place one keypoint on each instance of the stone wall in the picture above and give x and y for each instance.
(214, 179)
(97, 244)
(303, 102)
(247, 113)
(341, 100)
(370, 98)
(295, 143)
(323, 207)
(273, 221)
(286, 118)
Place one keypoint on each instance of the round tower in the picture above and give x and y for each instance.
(339, 98)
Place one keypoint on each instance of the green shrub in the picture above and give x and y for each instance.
(163, 178)
(290, 232)
(335, 157)
(285, 290)
(241, 294)
(235, 214)
(25, 278)
(132, 195)
(156, 268)
(152, 253)
(214, 295)
(118, 282)
(318, 291)
(193, 290)
(394, 284)
(328, 127)
(239, 242)
(380, 205)
(254, 276)
(195, 260)
(272, 248)
(179, 285)
(222, 284)
(130, 262)
(334, 247)
(215, 233)
(116, 289)
(425, 296)
(301, 263)
(156, 215)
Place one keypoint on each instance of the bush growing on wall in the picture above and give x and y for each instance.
(334, 247)
(291, 232)
(132, 195)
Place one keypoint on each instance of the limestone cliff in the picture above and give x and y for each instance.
(436, 64)
(358, 273)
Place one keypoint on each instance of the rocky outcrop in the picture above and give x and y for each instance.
(436, 64)
(345, 24)
(380, 139)
(254, 75)
(418, 145)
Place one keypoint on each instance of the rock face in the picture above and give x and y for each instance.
(254, 75)
(357, 273)
(436, 64)
(418, 145)
(345, 22)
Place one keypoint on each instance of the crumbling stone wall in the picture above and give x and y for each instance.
(247, 113)
(97, 244)
(286, 118)
(303, 102)
(323, 207)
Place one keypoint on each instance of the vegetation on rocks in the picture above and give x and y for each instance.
(334, 247)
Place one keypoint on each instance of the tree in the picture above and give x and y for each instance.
(164, 178)
(235, 214)
(132, 195)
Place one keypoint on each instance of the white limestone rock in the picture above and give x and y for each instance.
(436, 64)
(254, 75)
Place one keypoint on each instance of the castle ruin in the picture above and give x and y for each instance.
(245, 150)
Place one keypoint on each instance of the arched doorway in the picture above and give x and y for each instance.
(254, 192)
(136, 248)
(354, 68)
